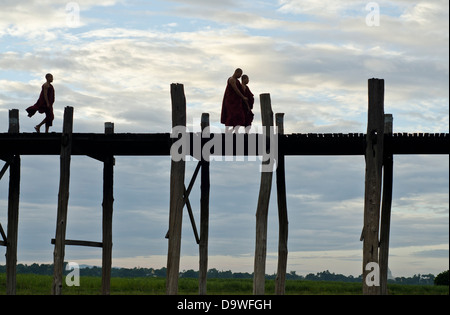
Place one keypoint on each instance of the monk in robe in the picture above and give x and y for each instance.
(233, 113)
(248, 106)
(44, 104)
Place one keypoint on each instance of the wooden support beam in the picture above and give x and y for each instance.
(187, 192)
(204, 213)
(13, 210)
(2, 234)
(108, 200)
(263, 203)
(374, 163)
(177, 172)
(186, 202)
(80, 243)
(280, 281)
(388, 168)
(4, 169)
(191, 217)
(63, 201)
(194, 177)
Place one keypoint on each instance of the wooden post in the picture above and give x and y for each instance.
(263, 204)
(204, 214)
(13, 210)
(374, 162)
(280, 280)
(386, 205)
(108, 200)
(177, 172)
(63, 201)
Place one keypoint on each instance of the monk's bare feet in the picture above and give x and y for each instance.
(37, 129)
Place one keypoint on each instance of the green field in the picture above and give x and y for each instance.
(41, 285)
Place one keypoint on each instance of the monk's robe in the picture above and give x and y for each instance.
(248, 113)
(41, 105)
(232, 111)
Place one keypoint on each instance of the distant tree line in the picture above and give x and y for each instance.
(47, 269)
(442, 278)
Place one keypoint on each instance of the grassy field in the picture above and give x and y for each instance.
(41, 285)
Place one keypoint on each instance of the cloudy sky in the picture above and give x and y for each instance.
(115, 60)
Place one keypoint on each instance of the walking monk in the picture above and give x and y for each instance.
(232, 110)
(44, 104)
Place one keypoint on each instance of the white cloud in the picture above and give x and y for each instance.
(318, 8)
(314, 58)
(330, 74)
(43, 17)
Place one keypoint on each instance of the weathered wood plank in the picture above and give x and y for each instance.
(263, 204)
(280, 281)
(63, 200)
(374, 162)
(107, 218)
(177, 173)
(13, 210)
(80, 243)
(204, 215)
(388, 168)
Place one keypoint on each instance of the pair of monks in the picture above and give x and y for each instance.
(237, 102)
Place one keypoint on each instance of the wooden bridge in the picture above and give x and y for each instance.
(147, 144)
(378, 145)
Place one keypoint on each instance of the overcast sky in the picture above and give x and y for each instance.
(115, 60)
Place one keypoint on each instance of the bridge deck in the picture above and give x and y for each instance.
(141, 144)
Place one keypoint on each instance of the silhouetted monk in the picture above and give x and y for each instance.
(248, 106)
(232, 111)
(44, 104)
